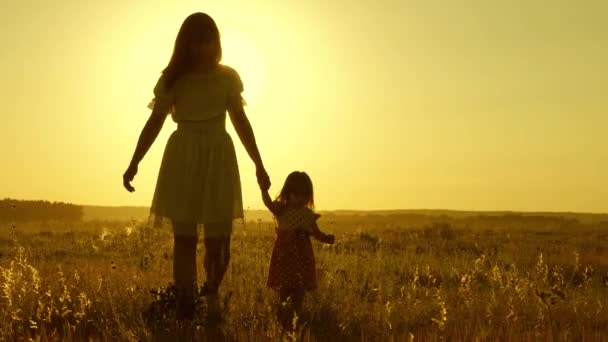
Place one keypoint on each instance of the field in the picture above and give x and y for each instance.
(388, 278)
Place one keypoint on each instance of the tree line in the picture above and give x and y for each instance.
(12, 210)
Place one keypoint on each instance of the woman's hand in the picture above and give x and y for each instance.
(263, 179)
(128, 176)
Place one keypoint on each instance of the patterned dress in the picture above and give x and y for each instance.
(292, 264)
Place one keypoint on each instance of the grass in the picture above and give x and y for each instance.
(452, 279)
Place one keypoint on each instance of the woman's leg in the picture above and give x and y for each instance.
(217, 254)
(217, 257)
(184, 266)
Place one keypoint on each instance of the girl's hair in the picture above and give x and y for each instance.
(197, 28)
(297, 183)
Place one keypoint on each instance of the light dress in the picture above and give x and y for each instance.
(198, 180)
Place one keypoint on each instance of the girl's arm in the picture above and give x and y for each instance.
(243, 128)
(319, 235)
(268, 202)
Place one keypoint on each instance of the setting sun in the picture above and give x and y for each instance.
(241, 53)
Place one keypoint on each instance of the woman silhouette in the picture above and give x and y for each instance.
(198, 181)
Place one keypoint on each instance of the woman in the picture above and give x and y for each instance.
(198, 182)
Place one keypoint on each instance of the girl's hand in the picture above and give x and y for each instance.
(128, 176)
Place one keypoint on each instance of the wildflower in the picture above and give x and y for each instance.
(104, 233)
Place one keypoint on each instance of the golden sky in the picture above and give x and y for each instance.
(481, 105)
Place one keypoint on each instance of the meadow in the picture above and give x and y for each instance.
(389, 278)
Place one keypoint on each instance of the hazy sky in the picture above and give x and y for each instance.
(490, 105)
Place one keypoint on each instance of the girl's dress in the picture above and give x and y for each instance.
(198, 180)
(292, 264)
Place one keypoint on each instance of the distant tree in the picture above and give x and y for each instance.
(27, 211)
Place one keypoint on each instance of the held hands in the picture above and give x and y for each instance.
(128, 176)
(263, 179)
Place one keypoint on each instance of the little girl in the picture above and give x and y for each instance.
(292, 265)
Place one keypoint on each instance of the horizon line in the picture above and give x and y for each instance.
(360, 210)
(400, 209)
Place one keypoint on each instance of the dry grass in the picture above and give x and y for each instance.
(394, 282)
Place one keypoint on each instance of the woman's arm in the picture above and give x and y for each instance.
(148, 135)
(146, 138)
(243, 128)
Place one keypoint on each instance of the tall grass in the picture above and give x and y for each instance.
(437, 281)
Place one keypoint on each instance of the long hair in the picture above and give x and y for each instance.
(297, 183)
(197, 28)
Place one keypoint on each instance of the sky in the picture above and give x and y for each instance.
(387, 104)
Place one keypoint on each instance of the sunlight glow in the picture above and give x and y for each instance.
(241, 53)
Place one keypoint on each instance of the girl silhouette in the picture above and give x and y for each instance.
(198, 181)
(292, 265)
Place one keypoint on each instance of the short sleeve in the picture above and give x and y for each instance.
(163, 97)
(307, 219)
(276, 207)
(235, 85)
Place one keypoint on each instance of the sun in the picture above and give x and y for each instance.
(240, 52)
